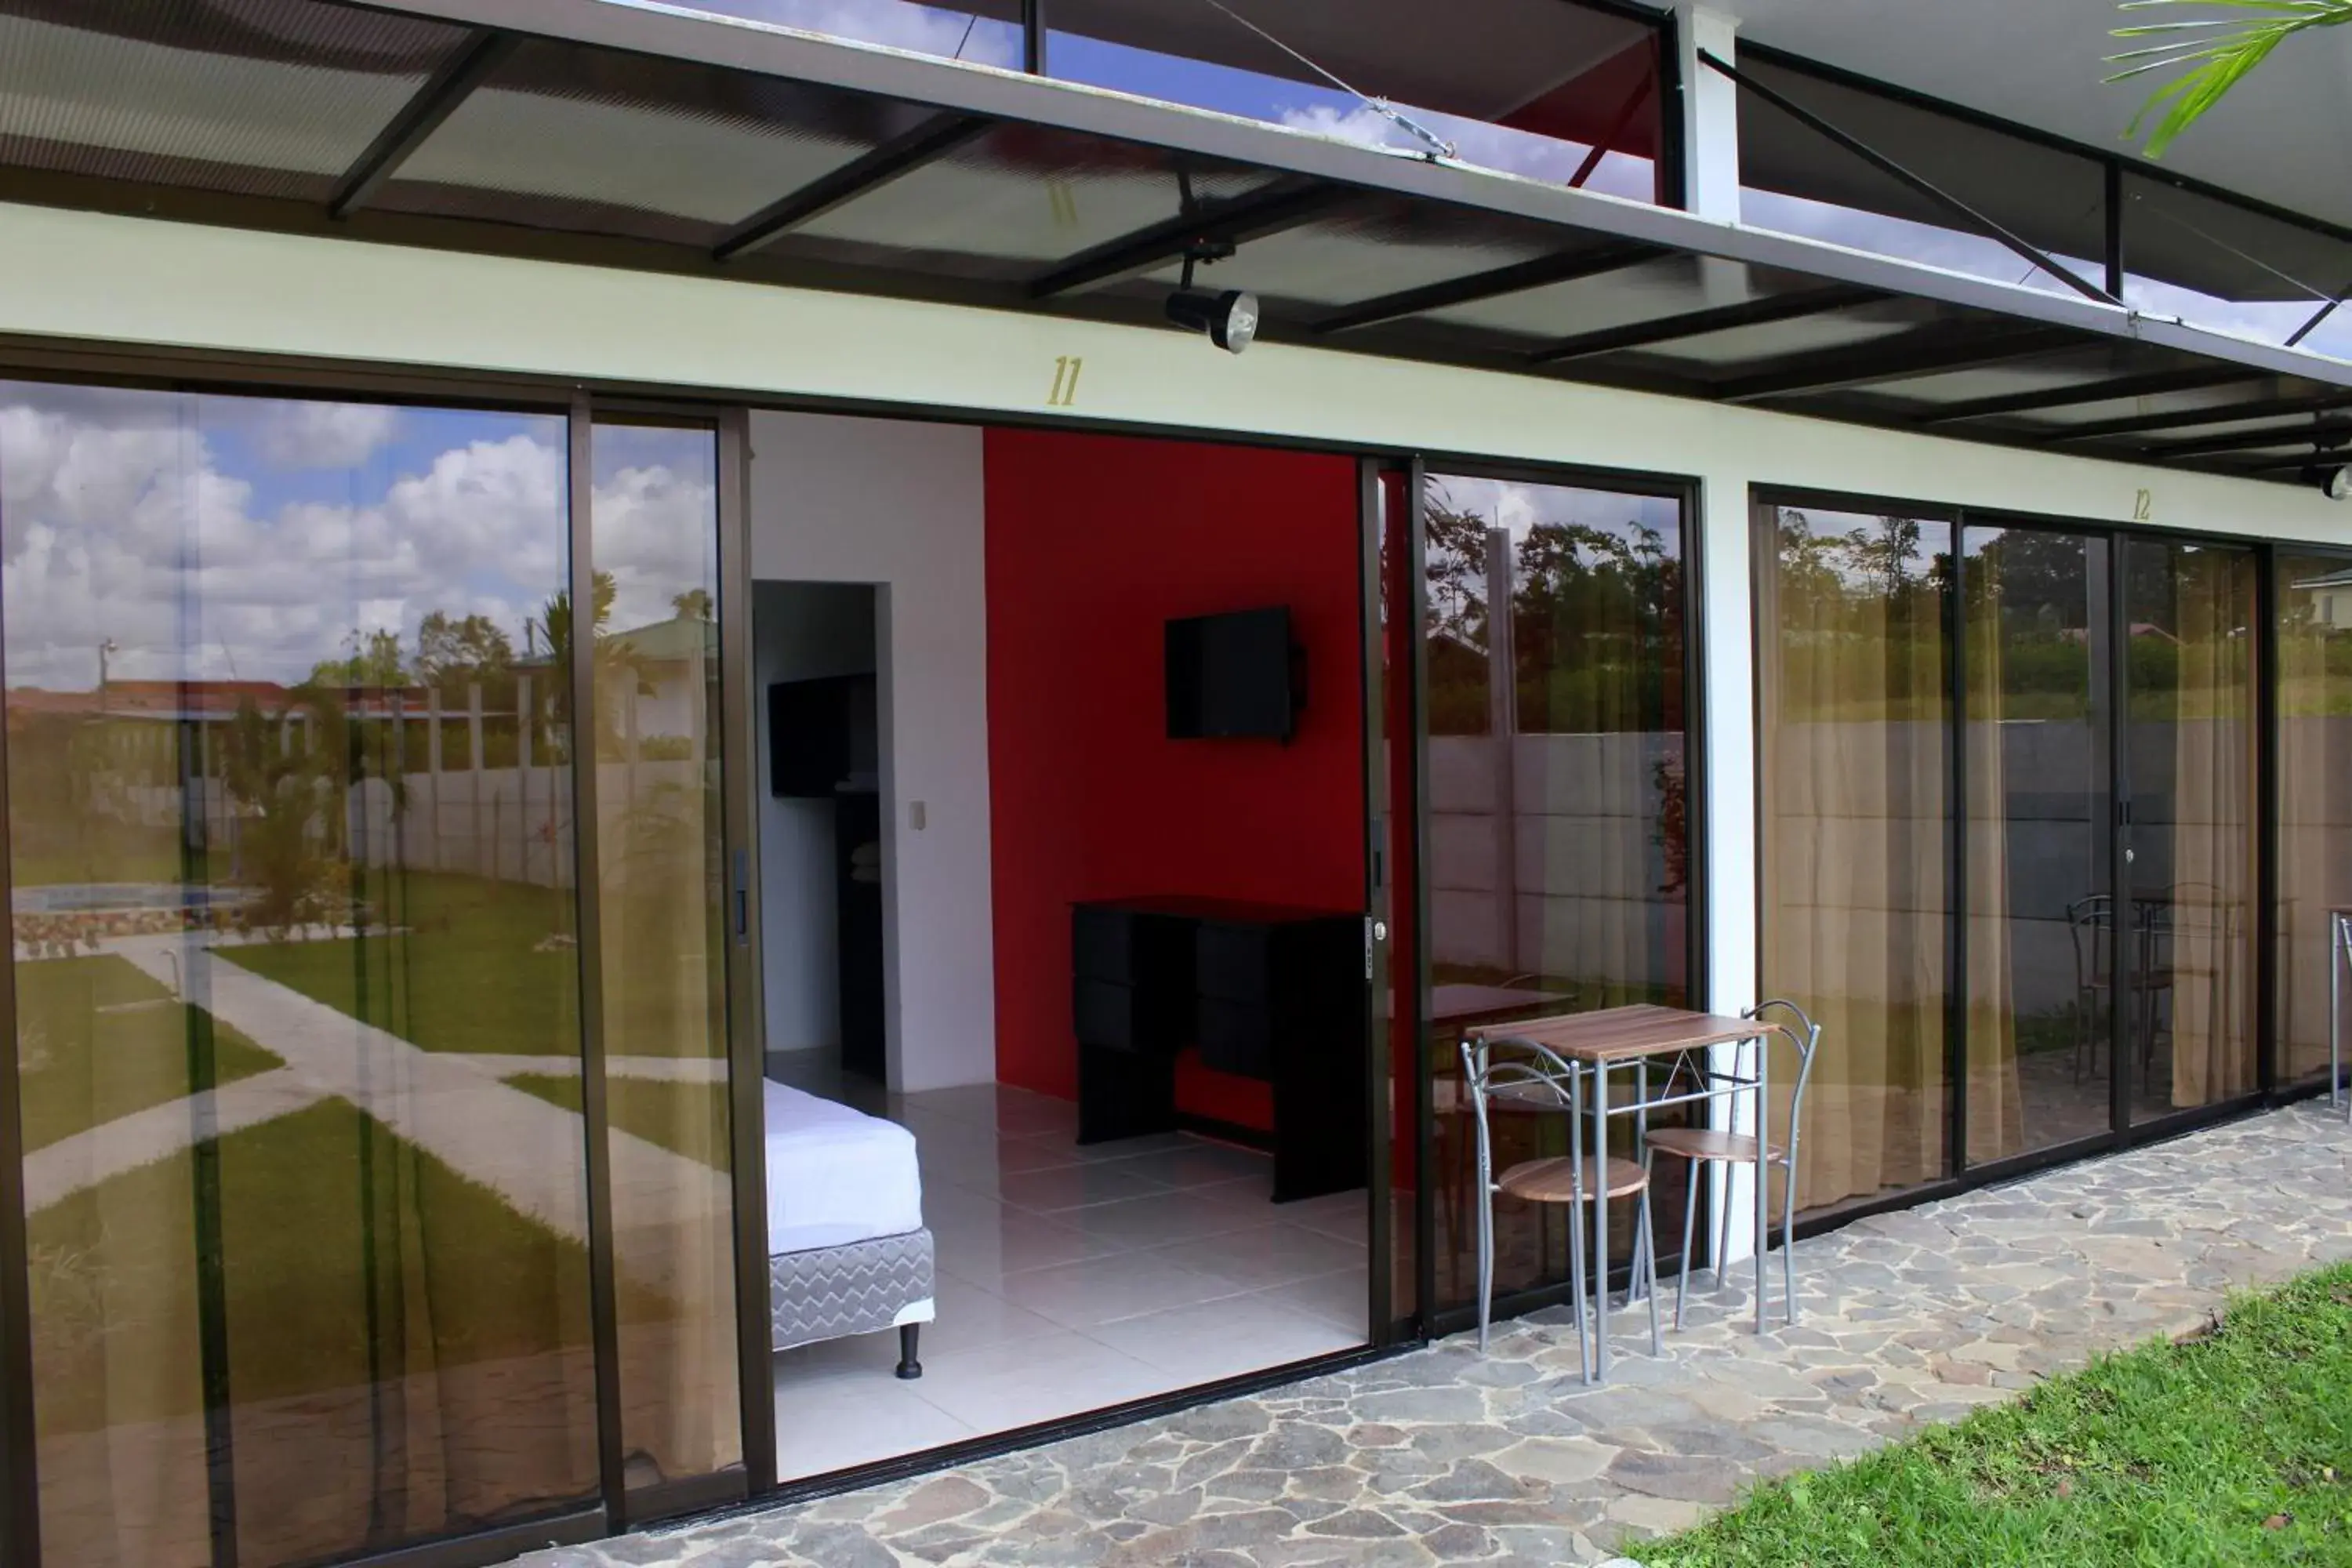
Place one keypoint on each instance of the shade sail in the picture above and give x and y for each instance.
(639, 135)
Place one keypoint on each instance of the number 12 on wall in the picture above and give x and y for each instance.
(1065, 381)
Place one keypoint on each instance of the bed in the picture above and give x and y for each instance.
(847, 1253)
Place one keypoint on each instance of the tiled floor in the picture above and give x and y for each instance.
(1073, 1278)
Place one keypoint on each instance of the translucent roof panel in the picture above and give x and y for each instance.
(566, 137)
(269, 98)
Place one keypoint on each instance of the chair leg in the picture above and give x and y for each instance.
(1723, 1234)
(1788, 1240)
(1650, 1274)
(1690, 1228)
(1634, 1274)
(1576, 1288)
(1486, 1259)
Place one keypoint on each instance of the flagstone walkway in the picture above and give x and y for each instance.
(1443, 1455)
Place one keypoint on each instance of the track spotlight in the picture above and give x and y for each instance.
(2336, 483)
(1230, 319)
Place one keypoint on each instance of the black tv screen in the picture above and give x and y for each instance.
(1231, 677)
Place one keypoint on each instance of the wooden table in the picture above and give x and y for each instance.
(1599, 1043)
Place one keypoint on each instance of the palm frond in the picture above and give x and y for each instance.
(2213, 54)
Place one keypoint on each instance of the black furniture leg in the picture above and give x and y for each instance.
(909, 1367)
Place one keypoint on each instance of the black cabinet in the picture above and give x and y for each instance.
(1265, 992)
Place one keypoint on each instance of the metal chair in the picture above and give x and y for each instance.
(1523, 1075)
(1708, 1145)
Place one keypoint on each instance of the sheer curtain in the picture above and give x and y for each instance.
(1856, 728)
(1995, 1102)
(2209, 921)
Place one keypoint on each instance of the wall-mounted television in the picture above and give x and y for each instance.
(1236, 676)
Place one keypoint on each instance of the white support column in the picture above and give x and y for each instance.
(1726, 748)
(1710, 112)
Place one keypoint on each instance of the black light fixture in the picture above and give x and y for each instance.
(2334, 483)
(1230, 319)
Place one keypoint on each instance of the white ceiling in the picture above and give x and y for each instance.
(2284, 134)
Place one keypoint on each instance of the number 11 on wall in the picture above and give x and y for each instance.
(1065, 393)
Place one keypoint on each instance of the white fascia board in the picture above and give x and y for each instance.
(103, 278)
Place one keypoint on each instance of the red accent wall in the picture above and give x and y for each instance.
(1094, 544)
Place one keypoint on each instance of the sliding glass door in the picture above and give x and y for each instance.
(2010, 777)
(289, 814)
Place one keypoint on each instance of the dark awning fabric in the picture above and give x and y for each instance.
(637, 135)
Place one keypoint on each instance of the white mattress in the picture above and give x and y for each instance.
(835, 1175)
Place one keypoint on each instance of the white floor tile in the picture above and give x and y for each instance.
(972, 1315)
(985, 1249)
(1200, 1164)
(1264, 1256)
(1341, 1298)
(1098, 1289)
(1065, 1376)
(1225, 1339)
(1344, 1214)
(1075, 1187)
(834, 1425)
(1165, 1218)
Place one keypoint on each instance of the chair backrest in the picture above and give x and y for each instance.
(1524, 1071)
(2088, 921)
(1797, 1027)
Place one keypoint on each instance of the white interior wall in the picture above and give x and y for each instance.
(857, 500)
(900, 505)
(801, 631)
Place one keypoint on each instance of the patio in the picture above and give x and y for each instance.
(1443, 1455)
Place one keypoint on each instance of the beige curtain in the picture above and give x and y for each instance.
(2210, 925)
(2315, 783)
(1856, 776)
(1995, 1107)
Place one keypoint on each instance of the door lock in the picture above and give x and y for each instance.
(1380, 930)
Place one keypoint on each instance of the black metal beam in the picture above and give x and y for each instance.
(899, 156)
(1515, 278)
(419, 118)
(1234, 222)
(1788, 307)
(2174, 419)
(2156, 384)
(1934, 192)
(1928, 353)
(2253, 440)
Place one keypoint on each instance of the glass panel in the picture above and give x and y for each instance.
(1397, 829)
(309, 1280)
(1539, 88)
(2041, 903)
(1559, 843)
(988, 33)
(2313, 595)
(1796, 180)
(654, 542)
(2216, 264)
(2189, 749)
(1856, 681)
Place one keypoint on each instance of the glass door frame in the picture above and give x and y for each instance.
(1960, 1174)
(1686, 492)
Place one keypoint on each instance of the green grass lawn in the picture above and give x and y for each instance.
(96, 1040)
(2235, 1448)
(472, 967)
(688, 1118)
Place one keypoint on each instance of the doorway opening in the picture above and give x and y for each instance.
(1064, 895)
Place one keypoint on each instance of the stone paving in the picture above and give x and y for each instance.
(1443, 1455)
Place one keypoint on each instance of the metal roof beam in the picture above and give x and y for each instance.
(2157, 385)
(1234, 222)
(2251, 440)
(419, 118)
(901, 155)
(1788, 307)
(1901, 360)
(2141, 423)
(1515, 278)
